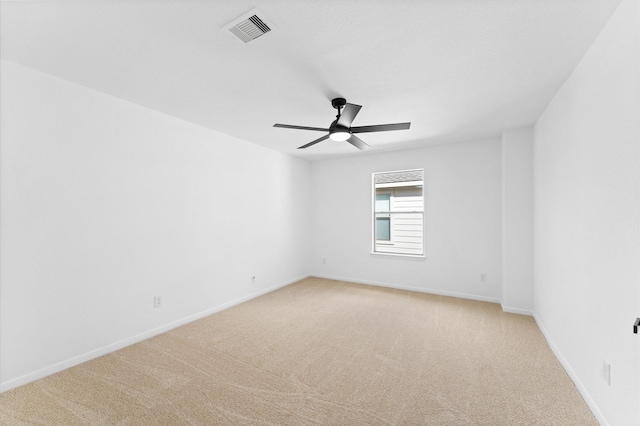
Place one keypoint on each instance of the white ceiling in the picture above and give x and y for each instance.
(456, 69)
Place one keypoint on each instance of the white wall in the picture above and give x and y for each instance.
(517, 216)
(106, 204)
(587, 217)
(462, 191)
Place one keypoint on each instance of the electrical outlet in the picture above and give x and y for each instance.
(324, 260)
(606, 372)
(483, 277)
(253, 279)
(157, 301)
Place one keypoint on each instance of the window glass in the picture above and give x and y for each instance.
(383, 221)
(383, 202)
(383, 229)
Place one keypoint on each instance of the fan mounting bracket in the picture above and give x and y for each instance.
(338, 103)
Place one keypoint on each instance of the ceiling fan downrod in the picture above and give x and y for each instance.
(338, 103)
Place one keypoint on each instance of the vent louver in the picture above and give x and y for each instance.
(249, 26)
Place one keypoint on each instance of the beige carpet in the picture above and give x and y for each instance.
(320, 352)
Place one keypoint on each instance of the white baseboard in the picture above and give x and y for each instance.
(518, 311)
(409, 288)
(63, 365)
(574, 377)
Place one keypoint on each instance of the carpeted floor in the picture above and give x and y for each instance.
(320, 352)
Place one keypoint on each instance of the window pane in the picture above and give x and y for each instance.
(383, 228)
(383, 202)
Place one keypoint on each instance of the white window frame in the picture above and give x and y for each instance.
(390, 186)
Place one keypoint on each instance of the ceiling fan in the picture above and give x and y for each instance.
(341, 130)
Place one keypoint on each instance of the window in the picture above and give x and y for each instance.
(398, 215)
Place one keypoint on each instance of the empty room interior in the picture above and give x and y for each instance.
(336, 212)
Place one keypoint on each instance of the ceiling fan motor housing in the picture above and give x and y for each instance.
(337, 132)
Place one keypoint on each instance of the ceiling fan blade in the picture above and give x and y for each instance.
(289, 126)
(314, 142)
(348, 114)
(357, 142)
(380, 128)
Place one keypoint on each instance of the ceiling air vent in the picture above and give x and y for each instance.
(249, 26)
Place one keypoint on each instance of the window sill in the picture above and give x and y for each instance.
(405, 256)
